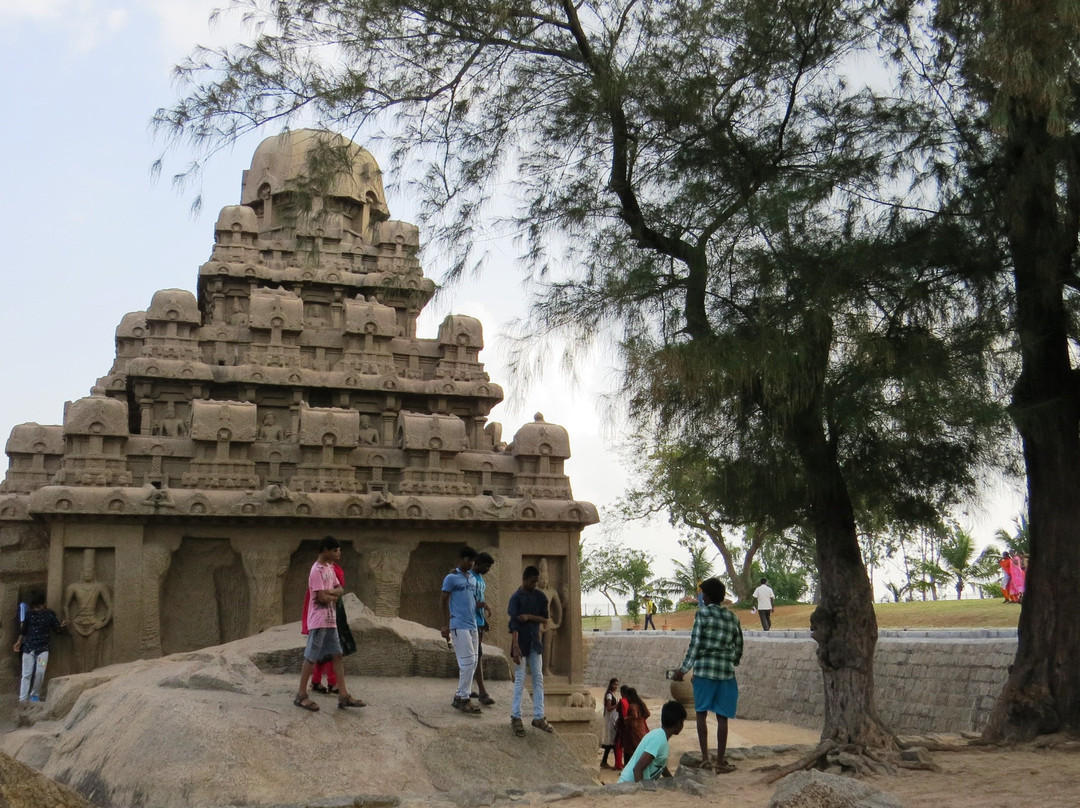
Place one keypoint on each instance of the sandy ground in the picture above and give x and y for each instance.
(975, 778)
(971, 779)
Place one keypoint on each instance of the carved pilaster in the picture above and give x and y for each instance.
(387, 567)
(156, 557)
(265, 566)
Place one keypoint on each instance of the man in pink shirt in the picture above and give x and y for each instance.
(322, 643)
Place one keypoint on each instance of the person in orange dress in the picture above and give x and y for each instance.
(1018, 574)
(634, 726)
(1006, 584)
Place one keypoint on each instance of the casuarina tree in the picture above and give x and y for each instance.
(1005, 75)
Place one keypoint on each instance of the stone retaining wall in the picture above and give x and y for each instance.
(926, 681)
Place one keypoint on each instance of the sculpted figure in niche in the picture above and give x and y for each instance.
(369, 435)
(269, 429)
(555, 615)
(171, 426)
(237, 315)
(88, 609)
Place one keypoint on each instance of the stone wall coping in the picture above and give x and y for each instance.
(904, 635)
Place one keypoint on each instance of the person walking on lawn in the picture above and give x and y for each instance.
(650, 614)
(716, 646)
(528, 610)
(457, 601)
(765, 597)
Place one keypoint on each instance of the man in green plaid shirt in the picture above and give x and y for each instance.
(716, 646)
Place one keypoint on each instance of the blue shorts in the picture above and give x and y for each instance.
(719, 696)
(322, 644)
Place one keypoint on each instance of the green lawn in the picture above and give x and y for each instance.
(918, 614)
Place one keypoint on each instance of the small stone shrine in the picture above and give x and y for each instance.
(180, 504)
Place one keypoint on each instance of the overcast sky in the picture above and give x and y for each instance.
(90, 236)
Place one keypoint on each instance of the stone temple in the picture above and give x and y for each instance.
(180, 504)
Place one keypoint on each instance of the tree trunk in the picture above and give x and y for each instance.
(843, 624)
(1042, 694)
(741, 577)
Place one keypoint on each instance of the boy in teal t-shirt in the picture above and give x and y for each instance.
(650, 759)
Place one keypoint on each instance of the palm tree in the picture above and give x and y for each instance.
(897, 591)
(958, 556)
(688, 574)
(1019, 539)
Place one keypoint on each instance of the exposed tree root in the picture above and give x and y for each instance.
(1062, 741)
(808, 761)
(931, 743)
(849, 759)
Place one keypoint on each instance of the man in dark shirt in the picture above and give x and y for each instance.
(33, 642)
(528, 610)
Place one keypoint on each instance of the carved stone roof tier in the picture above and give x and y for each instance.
(460, 330)
(318, 425)
(173, 306)
(284, 162)
(445, 433)
(269, 503)
(36, 439)
(276, 308)
(370, 317)
(132, 326)
(542, 439)
(96, 415)
(223, 420)
(293, 383)
(238, 219)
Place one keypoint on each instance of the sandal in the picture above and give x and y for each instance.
(349, 701)
(305, 703)
(723, 767)
(518, 727)
(542, 724)
(704, 763)
(466, 706)
(319, 688)
(486, 700)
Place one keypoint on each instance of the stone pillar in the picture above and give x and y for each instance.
(146, 416)
(156, 557)
(387, 565)
(265, 566)
(9, 632)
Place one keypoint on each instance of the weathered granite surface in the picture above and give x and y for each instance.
(217, 726)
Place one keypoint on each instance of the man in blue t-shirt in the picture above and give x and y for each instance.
(458, 605)
(650, 759)
(528, 610)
